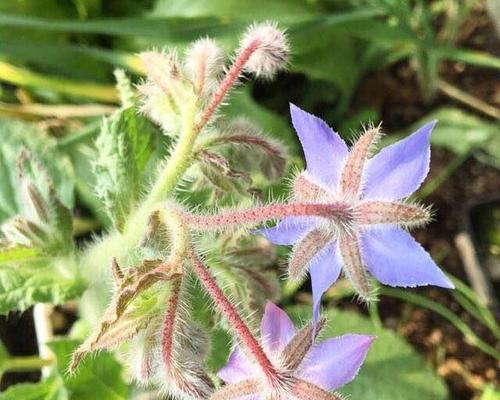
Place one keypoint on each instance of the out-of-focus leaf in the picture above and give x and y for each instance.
(72, 88)
(282, 10)
(49, 389)
(328, 56)
(392, 370)
(173, 30)
(15, 134)
(4, 356)
(21, 286)
(468, 56)
(490, 393)
(99, 377)
(18, 254)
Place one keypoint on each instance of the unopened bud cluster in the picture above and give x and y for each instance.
(202, 78)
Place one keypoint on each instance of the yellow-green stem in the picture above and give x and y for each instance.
(29, 363)
(176, 166)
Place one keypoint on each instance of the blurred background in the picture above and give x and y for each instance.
(353, 62)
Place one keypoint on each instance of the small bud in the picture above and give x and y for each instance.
(204, 64)
(141, 353)
(127, 95)
(272, 49)
(165, 91)
(160, 67)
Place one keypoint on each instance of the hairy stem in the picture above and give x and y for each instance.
(228, 82)
(169, 324)
(253, 216)
(178, 162)
(247, 339)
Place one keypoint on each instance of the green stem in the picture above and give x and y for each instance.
(374, 314)
(177, 164)
(30, 363)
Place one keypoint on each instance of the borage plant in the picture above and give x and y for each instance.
(348, 212)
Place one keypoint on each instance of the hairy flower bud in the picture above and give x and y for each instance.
(271, 49)
(204, 65)
(166, 91)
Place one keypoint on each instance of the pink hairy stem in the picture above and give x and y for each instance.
(228, 82)
(247, 339)
(337, 211)
(169, 324)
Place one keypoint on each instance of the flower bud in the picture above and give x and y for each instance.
(204, 64)
(271, 49)
(165, 92)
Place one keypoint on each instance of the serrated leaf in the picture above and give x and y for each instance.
(99, 377)
(49, 389)
(124, 148)
(392, 370)
(15, 134)
(23, 286)
(18, 254)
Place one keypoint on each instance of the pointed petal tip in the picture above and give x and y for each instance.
(446, 283)
(426, 129)
(271, 307)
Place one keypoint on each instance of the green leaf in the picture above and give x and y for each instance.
(21, 286)
(98, 377)
(18, 254)
(173, 30)
(49, 389)
(15, 134)
(490, 393)
(124, 148)
(392, 370)
(282, 10)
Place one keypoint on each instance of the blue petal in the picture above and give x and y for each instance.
(238, 367)
(396, 259)
(325, 270)
(399, 169)
(335, 362)
(288, 230)
(324, 149)
(276, 328)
